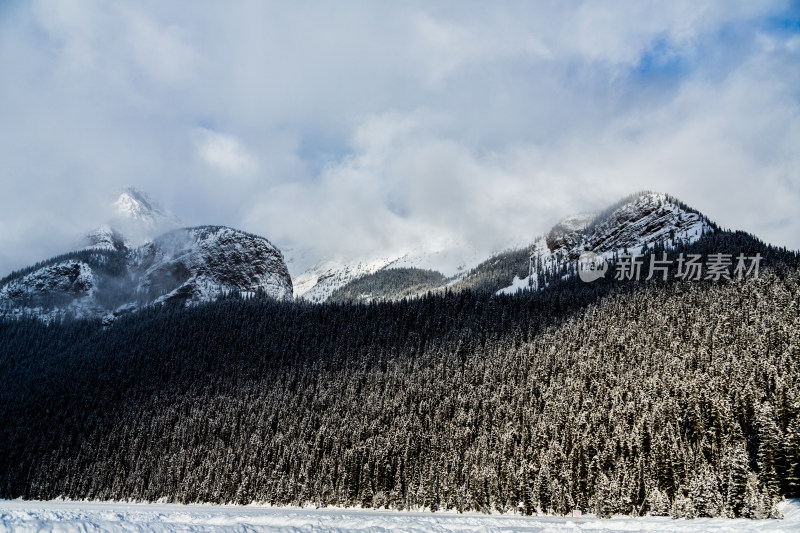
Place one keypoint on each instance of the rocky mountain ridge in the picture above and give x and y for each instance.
(111, 276)
(189, 266)
(639, 220)
(631, 225)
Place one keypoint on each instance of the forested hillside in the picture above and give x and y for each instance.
(677, 398)
(496, 272)
(389, 284)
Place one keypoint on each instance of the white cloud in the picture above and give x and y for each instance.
(160, 50)
(224, 152)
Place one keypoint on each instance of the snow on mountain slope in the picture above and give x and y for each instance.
(637, 222)
(135, 205)
(320, 281)
(452, 261)
(124, 265)
(190, 265)
(105, 238)
(650, 218)
(47, 292)
(67, 277)
(199, 264)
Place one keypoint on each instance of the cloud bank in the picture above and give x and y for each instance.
(361, 128)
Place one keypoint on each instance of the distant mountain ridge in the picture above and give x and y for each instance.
(112, 275)
(327, 277)
(640, 220)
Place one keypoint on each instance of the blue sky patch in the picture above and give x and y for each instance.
(662, 59)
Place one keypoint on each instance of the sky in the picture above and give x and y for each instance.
(349, 129)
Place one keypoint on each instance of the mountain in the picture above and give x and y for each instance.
(189, 266)
(106, 238)
(135, 218)
(140, 258)
(639, 221)
(635, 223)
(135, 206)
(321, 280)
(325, 279)
(198, 265)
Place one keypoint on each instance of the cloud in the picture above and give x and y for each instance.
(160, 50)
(378, 127)
(224, 152)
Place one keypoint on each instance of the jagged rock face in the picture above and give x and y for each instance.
(641, 221)
(646, 219)
(105, 238)
(191, 265)
(198, 264)
(67, 277)
(651, 218)
(568, 232)
(51, 290)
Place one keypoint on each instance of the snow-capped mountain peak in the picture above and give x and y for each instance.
(133, 204)
(106, 279)
(135, 218)
(635, 222)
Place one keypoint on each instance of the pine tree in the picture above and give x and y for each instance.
(769, 448)
(791, 451)
(737, 480)
(658, 502)
(704, 496)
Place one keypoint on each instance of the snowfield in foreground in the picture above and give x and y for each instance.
(83, 516)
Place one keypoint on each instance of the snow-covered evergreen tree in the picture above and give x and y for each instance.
(705, 499)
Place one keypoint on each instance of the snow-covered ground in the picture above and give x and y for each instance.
(83, 516)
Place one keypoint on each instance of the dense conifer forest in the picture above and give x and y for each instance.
(389, 284)
(678, 398)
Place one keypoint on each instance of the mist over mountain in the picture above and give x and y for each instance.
(109, 278)
(127, 262)
(134, 218)
(112, 275)
(635, 223)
